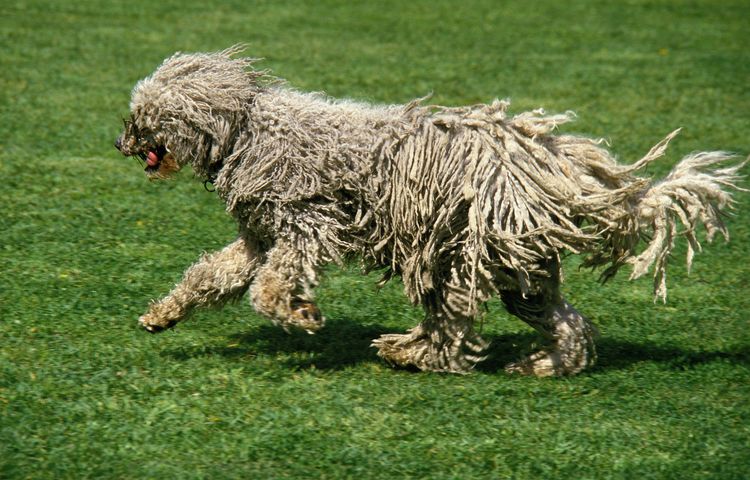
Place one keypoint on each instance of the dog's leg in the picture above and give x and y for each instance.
(445, 341)
(282, 290)
(570, 334)
(215, 279)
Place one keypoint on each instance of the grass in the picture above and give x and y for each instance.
(86, 243)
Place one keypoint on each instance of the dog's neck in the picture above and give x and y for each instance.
(213, 174)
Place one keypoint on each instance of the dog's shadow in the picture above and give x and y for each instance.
(344, 343)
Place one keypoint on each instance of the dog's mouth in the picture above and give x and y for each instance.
(159, 162)
(153, 158)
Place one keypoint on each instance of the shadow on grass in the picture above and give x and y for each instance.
(613, 354)
(340, 344)
(617, 354)
(344, 343)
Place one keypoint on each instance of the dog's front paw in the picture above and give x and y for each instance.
(154, 322)
(306, 316)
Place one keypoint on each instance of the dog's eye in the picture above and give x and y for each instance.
(129, 126)
(132, 127)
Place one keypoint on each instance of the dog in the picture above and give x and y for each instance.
(462, 203)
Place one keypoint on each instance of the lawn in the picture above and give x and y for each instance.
(86, 242)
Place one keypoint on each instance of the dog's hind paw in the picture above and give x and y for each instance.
(402, 350)
(552, 363)
(416, 349)
(572, 349)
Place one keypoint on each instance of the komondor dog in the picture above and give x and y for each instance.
(461, 203)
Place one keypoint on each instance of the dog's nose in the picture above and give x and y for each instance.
(118, 143)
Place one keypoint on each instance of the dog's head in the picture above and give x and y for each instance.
(190, 111)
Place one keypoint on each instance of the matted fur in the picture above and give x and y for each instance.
(462, 203)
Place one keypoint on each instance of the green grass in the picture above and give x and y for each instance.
(86, 242)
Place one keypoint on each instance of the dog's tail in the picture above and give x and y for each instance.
(695, 192)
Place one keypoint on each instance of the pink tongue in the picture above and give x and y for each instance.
(152, 159)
